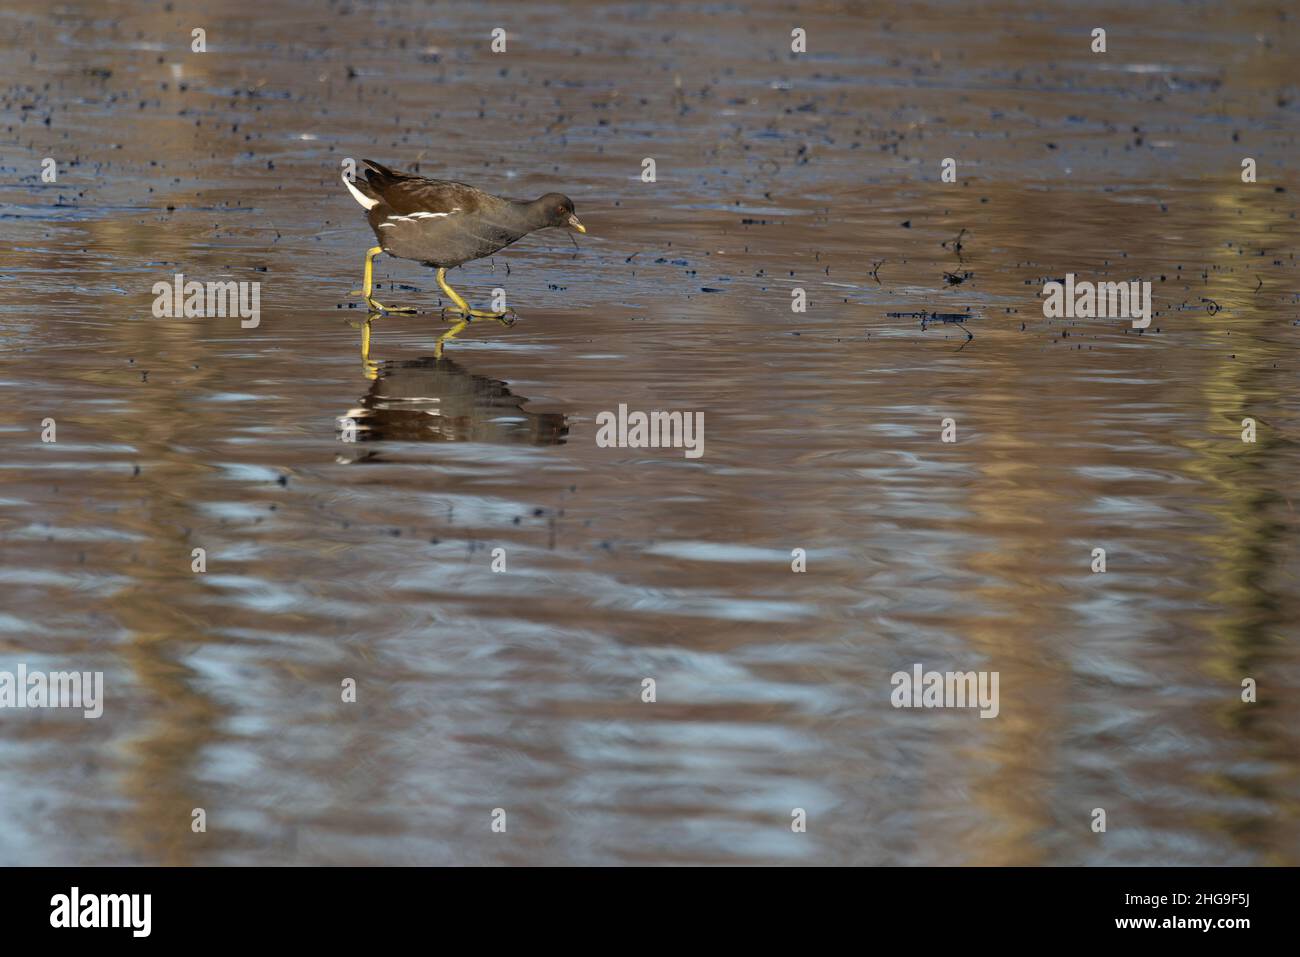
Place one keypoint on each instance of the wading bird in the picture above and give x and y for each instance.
(444, 224)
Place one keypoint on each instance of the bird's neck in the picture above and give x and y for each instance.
(534, 211)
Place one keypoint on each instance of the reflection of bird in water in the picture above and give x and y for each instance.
(433, 399)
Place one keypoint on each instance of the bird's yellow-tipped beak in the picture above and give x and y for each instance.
(574, 224)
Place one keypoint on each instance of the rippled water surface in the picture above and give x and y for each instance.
(373, 560)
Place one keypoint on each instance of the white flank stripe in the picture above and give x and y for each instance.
(414, 216)
(359, 196)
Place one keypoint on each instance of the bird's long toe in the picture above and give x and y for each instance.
(456, 314)
(378, 306)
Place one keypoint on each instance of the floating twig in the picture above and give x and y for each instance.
(956, 244)
(948, 318)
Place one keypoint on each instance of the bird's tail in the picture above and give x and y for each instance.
(380, 176)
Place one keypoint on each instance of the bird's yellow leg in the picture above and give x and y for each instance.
(506, 318)
(449, 334)
(368, 284)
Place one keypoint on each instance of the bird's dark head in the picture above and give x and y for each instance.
(556, 209)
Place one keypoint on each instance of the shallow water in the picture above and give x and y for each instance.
(372, 560)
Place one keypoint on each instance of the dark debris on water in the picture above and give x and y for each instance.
(948, 318)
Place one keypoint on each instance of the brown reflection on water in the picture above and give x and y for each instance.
(522, 689)
(435, 399)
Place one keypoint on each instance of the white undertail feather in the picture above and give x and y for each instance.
(359, 196)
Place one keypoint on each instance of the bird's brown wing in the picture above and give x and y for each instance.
(406, 193)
